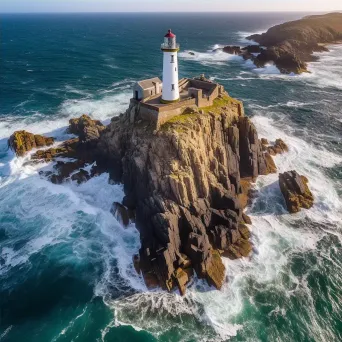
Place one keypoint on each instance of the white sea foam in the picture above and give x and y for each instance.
(269, 68)
(327, 71)
(242, 37)
(209, 57)
(103, 108)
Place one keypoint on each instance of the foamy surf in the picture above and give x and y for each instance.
(213, 56)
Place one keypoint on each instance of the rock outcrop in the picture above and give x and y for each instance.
(187, 183)
(290, 46)
(22, 142)
(295, 190)
(87, 130)
(82, 149)
(184, 183)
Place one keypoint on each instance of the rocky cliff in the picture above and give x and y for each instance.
(290, 46)
(185, 183)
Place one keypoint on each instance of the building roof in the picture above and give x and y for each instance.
(149, 83)
(169, 34)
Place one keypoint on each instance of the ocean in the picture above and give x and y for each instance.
(66, 269)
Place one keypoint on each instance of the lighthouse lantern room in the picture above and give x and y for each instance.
(170, 49)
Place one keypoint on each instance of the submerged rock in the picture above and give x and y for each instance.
(67, 170)
(121, 213)
(22, 142)
(295, 190)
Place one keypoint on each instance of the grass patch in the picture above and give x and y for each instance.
(224, 101)
(178, 121)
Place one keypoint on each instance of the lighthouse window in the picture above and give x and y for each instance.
(175, 69)
(172, 58)
(172, 87)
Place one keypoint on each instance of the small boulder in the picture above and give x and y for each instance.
(279, 147)
(264, 141)
(121, 213)
(295, 190)
(246, 218)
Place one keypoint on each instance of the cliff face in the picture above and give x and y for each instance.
(291, 45)
(310, 30)
(184, 181)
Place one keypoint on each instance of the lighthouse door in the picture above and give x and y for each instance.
(136, 95)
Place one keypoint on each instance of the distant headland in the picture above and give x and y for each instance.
(290, 46)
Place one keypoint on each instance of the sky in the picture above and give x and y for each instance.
(168, 5)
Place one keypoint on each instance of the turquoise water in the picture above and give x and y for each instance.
(65, 262)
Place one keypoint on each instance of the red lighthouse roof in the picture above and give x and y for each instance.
(169, 34)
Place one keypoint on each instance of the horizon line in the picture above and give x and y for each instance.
(178, 12)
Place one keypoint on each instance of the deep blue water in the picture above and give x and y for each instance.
(65, 262)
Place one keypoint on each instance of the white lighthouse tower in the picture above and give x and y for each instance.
(170, 69)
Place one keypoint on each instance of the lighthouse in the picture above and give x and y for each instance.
(170, 69)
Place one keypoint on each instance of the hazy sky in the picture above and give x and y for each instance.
(167, 5)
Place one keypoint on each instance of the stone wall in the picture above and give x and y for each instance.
(160, 115)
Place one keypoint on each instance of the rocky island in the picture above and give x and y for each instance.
(186, 183)
(290, 46)
(186, 155)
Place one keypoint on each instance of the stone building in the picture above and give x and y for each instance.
(147, 88)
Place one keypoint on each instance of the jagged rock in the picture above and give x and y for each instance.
(121, 213)
(215, 270)
(270, 165)
(81, 176)
(295, 190)
(264, 141)
(279, 147)
(22, 142)
(68, 149)
(252, 49)
(233, 50)
(182, 278)
(64, 170)
(253, 161)
(86, 129)
(246, 218)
